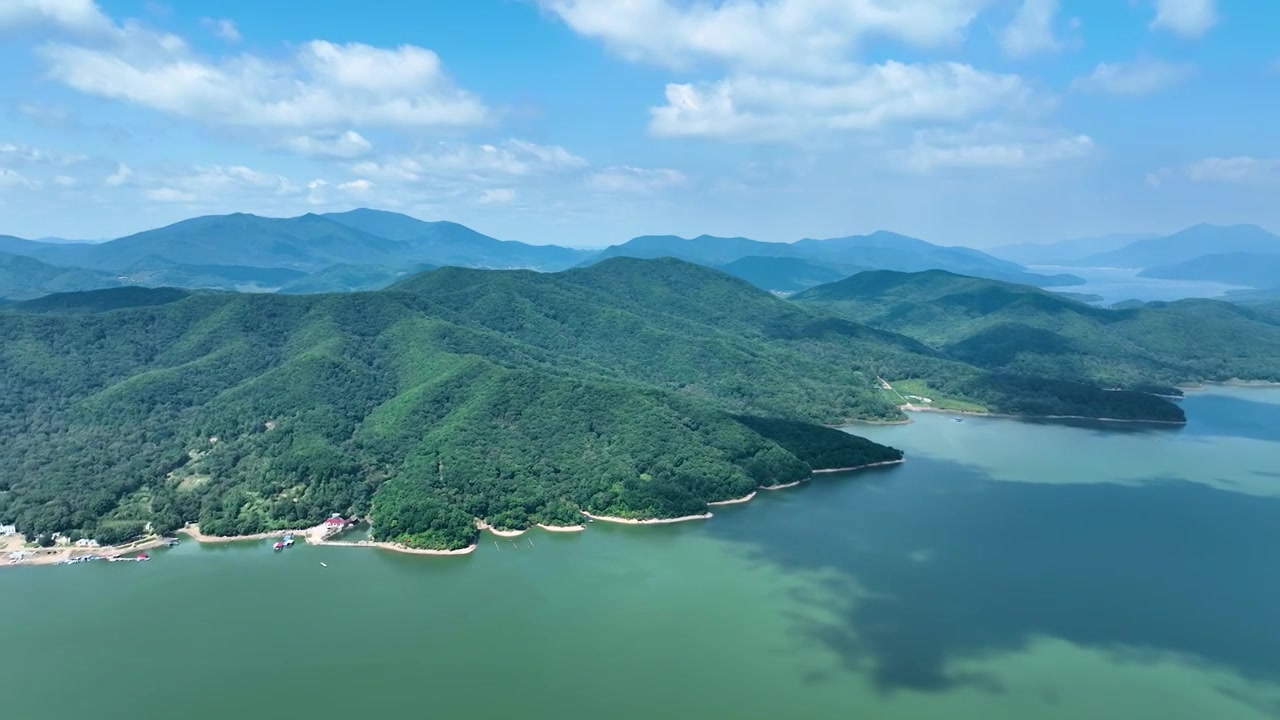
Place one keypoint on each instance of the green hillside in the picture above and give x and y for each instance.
(631, 388)
(348, 278)
(1027, 331)
(23, 278)
(781, 274)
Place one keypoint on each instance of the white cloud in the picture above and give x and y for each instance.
(223, 28)
(775, 108)
(13, 178)
(626, 179)
(1189, 18)
(165, 194)
(790, 67)
(359, 186)
(513, 158)
(1239, 170)
(65, 181)
(497, 196)
(994, 146)
(1140, 77)
(801, 35)
(321, 85)
(1031, 31)
(76, 16)
(11, 153)
(349, 144)
(122, 175)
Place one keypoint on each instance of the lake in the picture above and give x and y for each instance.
(1008, 570)
(1119, 284)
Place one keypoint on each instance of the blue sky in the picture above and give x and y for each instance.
(587, 122)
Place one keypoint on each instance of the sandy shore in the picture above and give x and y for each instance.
(562, 528)
(899, 461)
(649, 521)
(397, 547)
(734, 501)
(318, 536)
(482, 525)
(783, 486)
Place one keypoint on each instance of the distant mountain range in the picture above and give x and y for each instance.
(1250, 269)
(1231, 254)
(1194, 242)
(369, 249)
(881, 250)
(1067, 252)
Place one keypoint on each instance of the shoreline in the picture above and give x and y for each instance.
(319, 534)
(482, 525)
(397, 547)
(733, 501)
(649, 521)
(1256, 384)
(881, 463)
(1007, 416)
(56, 554)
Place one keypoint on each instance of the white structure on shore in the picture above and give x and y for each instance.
(6, 530)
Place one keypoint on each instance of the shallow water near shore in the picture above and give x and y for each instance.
(1007, 570)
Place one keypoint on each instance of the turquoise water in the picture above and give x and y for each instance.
(1007, 570)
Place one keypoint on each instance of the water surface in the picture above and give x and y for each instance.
(1007, 570)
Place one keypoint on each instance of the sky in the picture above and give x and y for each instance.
(587, 122)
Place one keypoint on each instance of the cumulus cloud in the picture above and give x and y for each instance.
(1238, 170)
(349, 144)
(994, 146)
(498, 163)
(121, 176)
(774, 108)
(1031, 31)
(627, 179)
(1188, 18)
(75, 16)
(790, 67)
(1140, 77)
(799, 35)
(223, 28)
(497, 196)
(322, 84)
(14, 179)
(165, 194)
(11, 153)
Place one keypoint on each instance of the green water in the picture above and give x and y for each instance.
(1007, 570)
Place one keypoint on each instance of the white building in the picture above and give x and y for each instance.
(8, 530)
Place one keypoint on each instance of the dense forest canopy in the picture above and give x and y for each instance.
(631, 388)
(1026, 331)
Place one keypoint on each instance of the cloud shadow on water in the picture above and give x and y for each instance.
(956, 565)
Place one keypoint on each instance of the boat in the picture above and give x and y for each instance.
(278, 546)
(324, 565)
(956, 419)
(288, 540)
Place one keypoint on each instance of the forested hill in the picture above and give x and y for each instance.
(1024, 330)
(632, 388)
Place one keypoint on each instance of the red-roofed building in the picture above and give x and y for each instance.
(335, 522)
